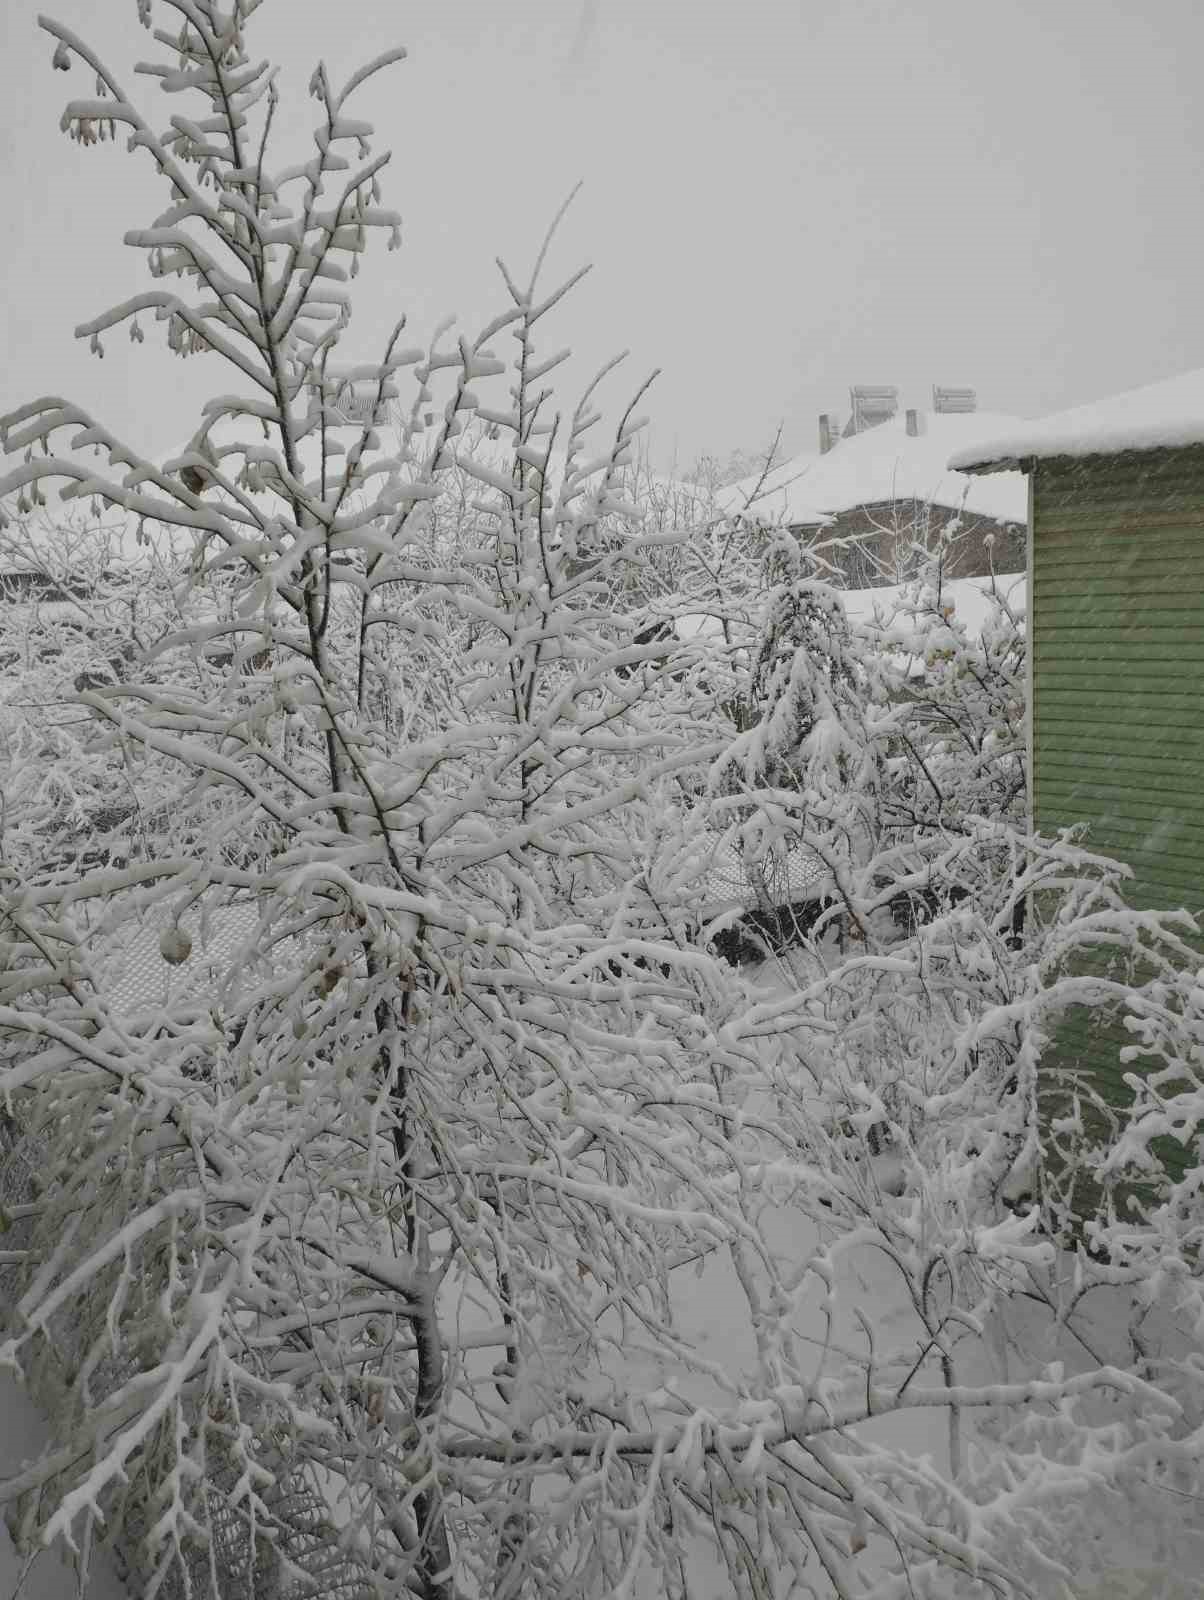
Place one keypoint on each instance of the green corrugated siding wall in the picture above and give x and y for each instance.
(1116, 615)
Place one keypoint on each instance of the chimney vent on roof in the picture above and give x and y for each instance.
(953, 400)
(825, 433)
(913, 423)
(872, 404)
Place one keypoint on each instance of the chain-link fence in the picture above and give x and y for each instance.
(783, 875)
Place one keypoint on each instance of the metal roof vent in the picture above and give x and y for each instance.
(872, 404)
(357, 405)
(360, 405)
(954, 400)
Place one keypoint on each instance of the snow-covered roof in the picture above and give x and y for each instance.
(887, 463)
(781, 496)
(1156, 417)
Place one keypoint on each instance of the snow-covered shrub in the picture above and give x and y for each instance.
(389, 1252)
(922, 1006)
(82, 607)
(970, 702)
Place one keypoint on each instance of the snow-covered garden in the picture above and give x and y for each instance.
(410, 1186)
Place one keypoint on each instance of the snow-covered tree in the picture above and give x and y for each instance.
(380, 1238)
(943, 947)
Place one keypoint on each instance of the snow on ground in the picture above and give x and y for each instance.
(1155, 417)
(968, 598)
(1125, 1556)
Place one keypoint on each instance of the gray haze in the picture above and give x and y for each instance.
(779, 199)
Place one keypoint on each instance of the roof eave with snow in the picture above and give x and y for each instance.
(1159, 416)
(980, 469)
(1024, 456)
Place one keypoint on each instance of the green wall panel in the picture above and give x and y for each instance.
(1116, 620)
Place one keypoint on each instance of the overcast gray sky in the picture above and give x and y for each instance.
(780, 198)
